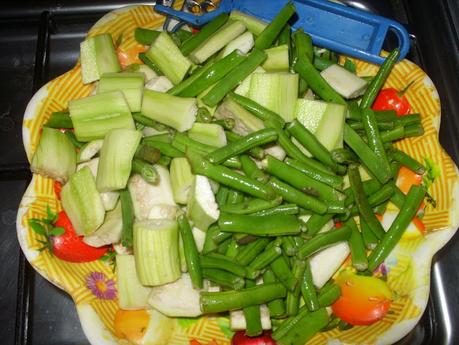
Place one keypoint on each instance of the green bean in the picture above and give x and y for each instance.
(252, 316)
(270, 33)
(297, 179)
(209, 244)
(181, 36)
(148, 153)
(321, 63)
(234, 197)
(215, 302)
(213, 74)
(316, 82)
(317, 222)
(191, 252)
(184, 84)
(414, 131)
(73, 139)
(143, 57)
(344, 156)
(317, 171)
(251, 170)
(235, 148)
(408, 161)
(146, 121)
(303, 45)
(289, 245)
(259, 226)
(165, 148)
(256, 152)
(263, 260)
(127, 215)
(284, 36)
(257, 109)
(381, 208)
(233, 249)
(164, 138)
(250, 206)
(323, 240)
(374, 139)
(344, 326)
(225, 265)
(293, 297)
(328, 295)
(227, 124)
(376, 198)
(222, 196)
(206, 31)
(382, 126)
(283, 273)
(276, 307)
(220, 236)
(281, 209)
(393, 134)
(164, 161)
(398, 227)
(366, 155)
(223, 278)
(293, 195)
(358, 254)
(229, 178)
(146, 170)
(145, 36)
(398, 198)
(362, 202)
(305, 328)
(251, 250)
(308, 290)
(369, 238)
(59, 119)
(336, 206)
(311, 143)
(332, 324)
(223, 246)
(289, 324)
(230, 81)
(378, 81)
(409, 120)
(290, 148)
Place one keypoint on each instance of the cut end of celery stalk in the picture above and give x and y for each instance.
(176, 112)
(244, 87)
(208, 133)
(98, 56)
(202, 207)
(156, 251)
(130, 84)
(253, 24)
(243, 43)
(94, 116)
(346, 83)
(82, 203)
(244, 121)
(277, 60)
(55, 155)
(109, 232)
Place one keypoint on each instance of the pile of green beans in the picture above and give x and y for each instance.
(277, 211)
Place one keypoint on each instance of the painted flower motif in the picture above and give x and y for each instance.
(100, 286)
(382, 271)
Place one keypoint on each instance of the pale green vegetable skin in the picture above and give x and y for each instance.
(94, 116)
(130, 84)
(115, 161)
(98, 56)
(181, 179)
(277, 60)
(55, 155)
(202, 207)
(156, 251)
(82, 203)
(132, 294)
(208, 133)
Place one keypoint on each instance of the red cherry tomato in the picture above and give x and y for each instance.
(239, 338)
(57, 189)
(363, 301)
(70, 247)
(391, 99)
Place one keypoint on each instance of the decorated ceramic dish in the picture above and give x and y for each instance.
(92, 285)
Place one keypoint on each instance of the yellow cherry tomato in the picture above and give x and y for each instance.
(363, 301)
(131, 324)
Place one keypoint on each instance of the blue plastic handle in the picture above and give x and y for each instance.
(333, 26)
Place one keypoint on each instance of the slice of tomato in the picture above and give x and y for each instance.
(392, 99)
(70, 247)
(363, 301)
(239, 338)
